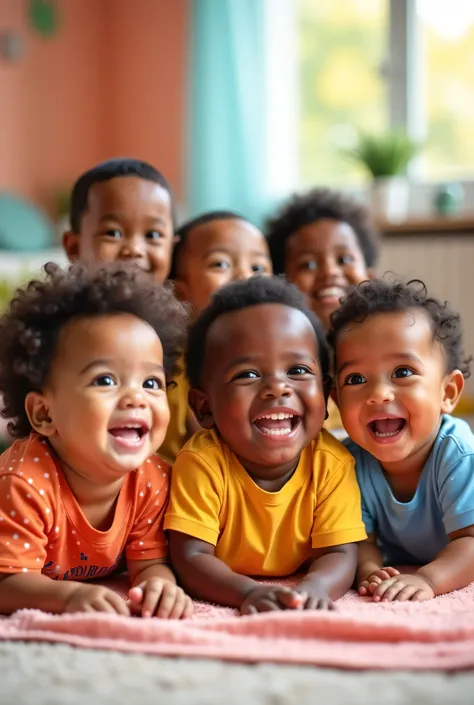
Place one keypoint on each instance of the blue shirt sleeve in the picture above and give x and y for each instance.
(456, 494)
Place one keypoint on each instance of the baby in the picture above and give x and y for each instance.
(262, 491)
(400, 371)
(122, 209)
(84, 359)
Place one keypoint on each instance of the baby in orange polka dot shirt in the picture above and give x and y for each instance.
(84, 359)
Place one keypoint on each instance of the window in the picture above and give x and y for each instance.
(342, 47)
(446, 40)
(347, 83)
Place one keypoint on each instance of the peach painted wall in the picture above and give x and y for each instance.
(111, 81)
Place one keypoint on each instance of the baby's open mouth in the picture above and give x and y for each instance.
(129, 433)
(387, 428)
(277, 424)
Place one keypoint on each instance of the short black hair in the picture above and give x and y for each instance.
(183, 231)
(244, 294)
(318, 204)
(393, 295)
(30, 328)
(110, 169)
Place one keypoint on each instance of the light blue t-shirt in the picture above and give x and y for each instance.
(416, 531)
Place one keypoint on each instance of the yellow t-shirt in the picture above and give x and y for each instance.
(176, 435)
(262, 533)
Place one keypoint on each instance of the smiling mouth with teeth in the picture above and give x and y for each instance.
(387, 428)
(132, 433)
(277, 424)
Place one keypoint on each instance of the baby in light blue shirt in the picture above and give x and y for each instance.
(399, 372)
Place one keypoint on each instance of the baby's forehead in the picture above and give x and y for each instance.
(387, 331)
(255, 328)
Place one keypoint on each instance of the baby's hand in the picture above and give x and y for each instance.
(368, 585)
(269, 598)
(313, 597)
(402, 588)
(160, 598)
(95, 598)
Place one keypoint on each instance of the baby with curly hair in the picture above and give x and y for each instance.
(84, 360)
(400, 370)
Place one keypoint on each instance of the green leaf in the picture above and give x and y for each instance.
(384, 155)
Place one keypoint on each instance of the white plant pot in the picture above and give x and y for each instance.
(389, 198)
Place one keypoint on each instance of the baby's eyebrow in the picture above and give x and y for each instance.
(408, 357)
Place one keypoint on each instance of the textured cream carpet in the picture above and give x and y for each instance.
(42, 674)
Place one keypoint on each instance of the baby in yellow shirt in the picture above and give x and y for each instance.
(262, 490)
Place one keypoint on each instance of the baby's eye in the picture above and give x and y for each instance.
(259, 268)
(246, 374)
(310, 264)
(219, 264)
(114, 233)
(345, 259)
(104, 381)
(403, 372)
(153, 235)
(355, 378)
(153, 383)
(299, 370)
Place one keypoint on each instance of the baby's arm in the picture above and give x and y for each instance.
(37, 591)
(452, 569)
(330, 576)
(154, 590)
(206, 577)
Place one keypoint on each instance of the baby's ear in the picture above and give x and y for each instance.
(37, 411)
(200, 405)
(71, 245)
(453, 387)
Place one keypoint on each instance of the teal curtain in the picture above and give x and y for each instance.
(226, 108)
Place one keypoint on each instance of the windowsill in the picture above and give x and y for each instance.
(428, 226)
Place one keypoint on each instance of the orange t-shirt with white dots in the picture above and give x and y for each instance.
(43, 529)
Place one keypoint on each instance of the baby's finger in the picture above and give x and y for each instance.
(421, 596)
(179, 605)
(101, 604)
(405, 593)
(293, 600)
(167, 600)
(135, 594)
(381, 589)
(267, 605)
(188, 608)
(364, 588)
(152, 596)
(392, 591)
(392, 572)
(118, 603)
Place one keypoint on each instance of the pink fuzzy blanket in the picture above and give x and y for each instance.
(438, 634)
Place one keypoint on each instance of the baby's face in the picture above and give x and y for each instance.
(393, 387)
(106, 395)
(217, 253)
(323, 259)
(127, 218)
(263, 389)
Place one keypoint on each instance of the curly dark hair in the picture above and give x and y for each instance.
(388, 296)
(30, 328)
(243, 294)
(318, 204)
(182, 233)
(110, 169)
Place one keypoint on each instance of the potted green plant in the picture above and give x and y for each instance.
(386, 158)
